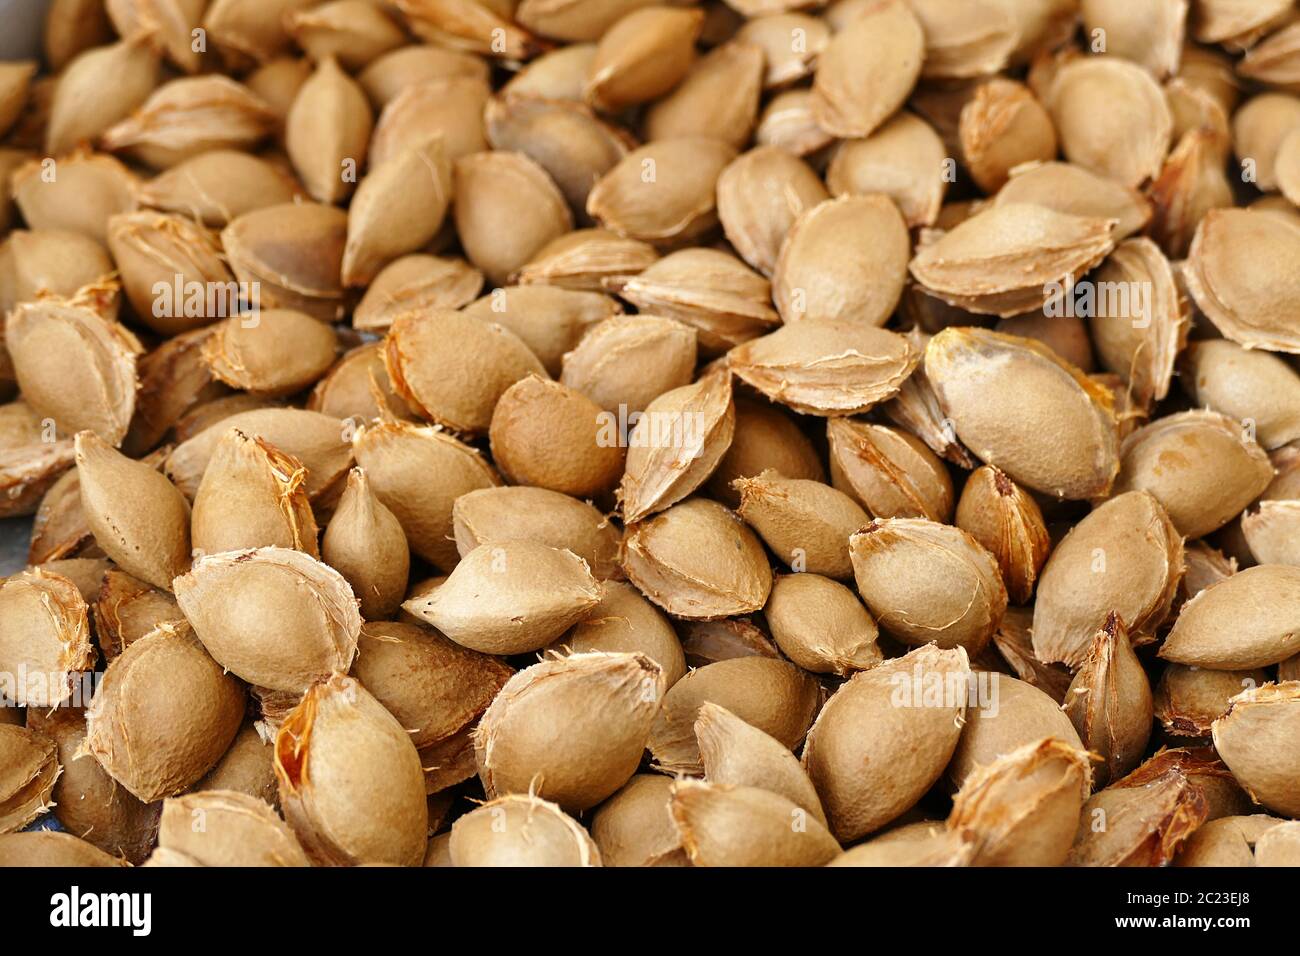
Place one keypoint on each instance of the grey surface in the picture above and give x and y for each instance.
(15, 533)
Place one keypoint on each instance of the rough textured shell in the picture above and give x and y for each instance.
(569, 729)
(889, 472)
(74, 366)
(826, 366)
(252, 495)
(1109, 702)
(1014, 715)
(635, 827)
(760, 196)
(225, 828)
(903, 160)
(31, 766)
(163, 715)
(512, 513)
(626, 623)
(868, 69)
(885, 736)
(676, 445)
(844, 259)
(1006, 520)
(509, 598)
(1257, 738)
(924, 582)
(418, 473)
(1244, 621)
(1014, 402)
(350, 779)
(273, 616)
(772, 695)
(736, 754)
(1202, 466)
(745, 826)
(806, 523)
(1127, 557)
(318, 441)
(1007, 257)
(138, 517)
(44, 638)
(365, 543)
(453, 367)
(697, 560)
(1025, 807)
(521, 830)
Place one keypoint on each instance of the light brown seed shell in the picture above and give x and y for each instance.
(521, 830)
(1024, 807)
(845, 260)
(1242, 622)
(885, 736)
(925, 582)
(1257, 739)
(1109, 702)
(418, 473)
(434, 687)
(1006, 520)
(398, 208)
(138, 517)
(1111, 117)
(74, 366)
(98, 88)
(664, 191)
(1012, 715)
(163, 715)
(88, 803)
(275, 352)
(186, 117)
(806, 523)
(903, 159)
(760, 195)
(1241, 271)
(453, 368)
(225, 828)
(772, 695)
(1189, 699)
(1139, 339)
(294, 252)
(511, 513)
(350, 779)
(551, 321)
(626, 623)
(316, 440)
(642, 56)
(625, 362)
(746, 826)
(252, 495)
(569, 729)
(635, 827)
(676, 445)
(327, 132)
(1028, 398)
(1215, 471)
(697, 560)
(1250, 385)
(510, 597)
(708, 289)
(419, 283)
(365, 543)
(507, 208)
(1125, 557)
(44, 638)
(274, 617)
(1009, 257)
(31, 767)
(868, 69)
(545, 434)
(826, 367)
(821, 625)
